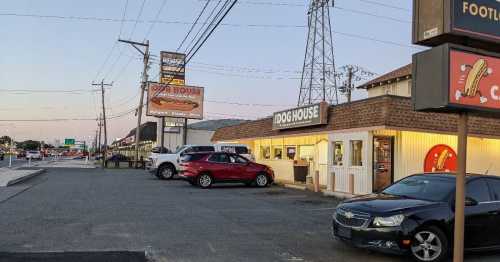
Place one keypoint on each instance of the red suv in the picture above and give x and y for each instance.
(205, 169)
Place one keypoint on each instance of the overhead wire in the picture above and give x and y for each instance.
(194, 24)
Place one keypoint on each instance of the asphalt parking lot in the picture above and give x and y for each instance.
(82, 210)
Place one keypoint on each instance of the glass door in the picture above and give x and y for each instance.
(383, 155)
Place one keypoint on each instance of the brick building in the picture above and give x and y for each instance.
(368, 144)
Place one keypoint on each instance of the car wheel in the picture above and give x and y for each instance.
(261, 180)
(429, 245)
(166, 172)
(205, 181)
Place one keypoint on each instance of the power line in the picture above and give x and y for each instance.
(24, 91)
(204, 23)
(123, 18)
(137, 20)
(385, 5)
(194, 24)
(156, 18)
(68, 119)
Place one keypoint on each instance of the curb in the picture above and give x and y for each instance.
(21, 179)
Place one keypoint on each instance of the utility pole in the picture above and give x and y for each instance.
(351, 75)
(143, 89)
(99, 124)
(349, 84)
(102, 85)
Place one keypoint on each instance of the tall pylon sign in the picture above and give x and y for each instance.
(318, 82)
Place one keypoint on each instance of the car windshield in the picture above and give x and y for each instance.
(180, 149)
(426, 187)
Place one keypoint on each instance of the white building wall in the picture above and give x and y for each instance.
(400, 88)
(362, 174)
(194, 137)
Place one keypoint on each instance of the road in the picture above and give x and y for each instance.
(15, 162)
(128, 210)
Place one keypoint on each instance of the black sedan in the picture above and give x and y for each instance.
(416, 216)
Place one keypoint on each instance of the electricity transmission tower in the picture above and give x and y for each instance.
(318, 81)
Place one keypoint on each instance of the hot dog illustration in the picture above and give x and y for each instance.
(476, 74)
(174, 104)
(442, 159)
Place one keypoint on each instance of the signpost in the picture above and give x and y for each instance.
(172, 68)
(68, 142)
(173, 73)
(471, 22)
(175, 101)
(311, 115)
(457, 79)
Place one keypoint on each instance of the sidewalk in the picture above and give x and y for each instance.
(68, 163)
(9, 177)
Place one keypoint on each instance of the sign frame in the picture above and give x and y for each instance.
(177, 113)
(322, 119)
(435, 23)
(175, 71)
(432, 81)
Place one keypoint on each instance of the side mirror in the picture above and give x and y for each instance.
(470, 202)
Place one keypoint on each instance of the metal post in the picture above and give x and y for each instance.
(458, 247)
(184, 135)
(162, 136)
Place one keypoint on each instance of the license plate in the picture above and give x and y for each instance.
(344, 232)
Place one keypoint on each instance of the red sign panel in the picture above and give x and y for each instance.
(441, 158)
(474, 80)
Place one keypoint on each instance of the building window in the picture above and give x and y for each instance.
(338, 153)
(278, 153)
(291, 151)
(266, 152)
(356, 153)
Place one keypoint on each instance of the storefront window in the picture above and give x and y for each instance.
(356, 153)
(278, 153)
(306, 153)
(266, 152)
(291, 151)
(338, 153)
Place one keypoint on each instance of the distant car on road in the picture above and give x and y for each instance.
(21, 154)
(118, 158)
(33, 155)
(206, 169)
(416, 216)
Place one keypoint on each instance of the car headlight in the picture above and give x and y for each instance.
(392, 221)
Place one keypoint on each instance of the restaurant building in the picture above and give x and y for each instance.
(368, 144)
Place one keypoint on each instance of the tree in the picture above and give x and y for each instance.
(5, 140)
(29, 145)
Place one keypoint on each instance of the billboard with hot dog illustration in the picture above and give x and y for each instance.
(474, 80)
(175, 101)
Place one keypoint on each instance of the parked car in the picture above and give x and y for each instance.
(206, 169)
(33, 155)
(416, 216)
(166, 166)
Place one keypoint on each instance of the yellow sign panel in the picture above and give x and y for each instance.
(170, 81)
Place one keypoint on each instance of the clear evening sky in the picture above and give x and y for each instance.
(245, 64)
